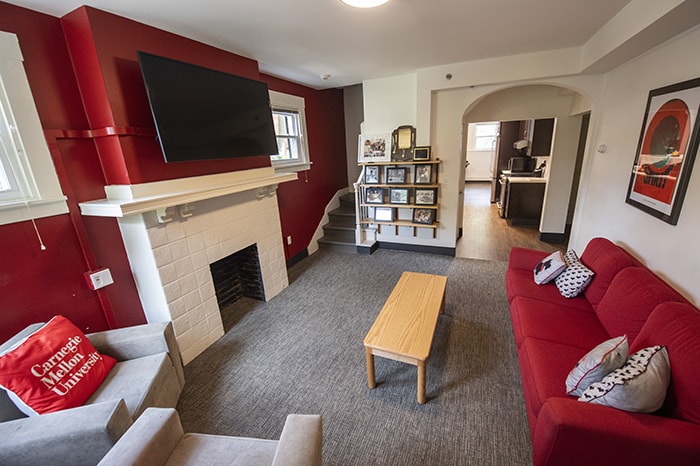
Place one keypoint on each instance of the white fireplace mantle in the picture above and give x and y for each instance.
(124, 200)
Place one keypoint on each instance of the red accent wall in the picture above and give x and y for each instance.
(303, 202)
(83, 73)
(103, 48)
(35, 285)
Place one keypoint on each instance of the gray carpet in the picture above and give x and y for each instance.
(302, 353)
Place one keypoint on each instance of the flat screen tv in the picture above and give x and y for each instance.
(204, 114)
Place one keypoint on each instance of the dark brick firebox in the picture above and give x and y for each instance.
(238, 275)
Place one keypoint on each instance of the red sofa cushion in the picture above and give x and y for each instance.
(632, 295)
(677, 326)
(544, 366)
(606, 259)
(520, 282)
(556, 323)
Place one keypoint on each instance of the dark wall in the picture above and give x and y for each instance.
(303, 202)
(83, 73)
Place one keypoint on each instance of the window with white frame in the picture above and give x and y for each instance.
(485, 135)
(29, 186)
(289, 119)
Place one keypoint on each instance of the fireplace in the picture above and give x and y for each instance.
(174, 230)
(238, 275)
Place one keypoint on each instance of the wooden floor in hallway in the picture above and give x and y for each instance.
(488, 236)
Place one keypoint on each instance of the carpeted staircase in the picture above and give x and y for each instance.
(339, 232)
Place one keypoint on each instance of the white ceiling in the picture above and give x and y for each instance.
(300, 40)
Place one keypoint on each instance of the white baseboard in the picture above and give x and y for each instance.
(318, 234)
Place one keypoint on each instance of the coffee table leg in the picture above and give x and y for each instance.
(421, 382)
(371, 383)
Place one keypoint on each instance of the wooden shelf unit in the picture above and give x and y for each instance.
(364, 207)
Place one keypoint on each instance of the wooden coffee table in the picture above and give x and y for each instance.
(404, 329)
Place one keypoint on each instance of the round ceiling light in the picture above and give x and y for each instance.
(364, 3)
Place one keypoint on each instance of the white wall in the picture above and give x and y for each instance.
(672, 251)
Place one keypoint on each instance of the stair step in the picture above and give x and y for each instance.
(339, 246)
(334, 233)
(348, 200)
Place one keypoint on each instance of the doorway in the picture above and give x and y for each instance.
(484, 235)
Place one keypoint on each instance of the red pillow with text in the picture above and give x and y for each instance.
(54, 368)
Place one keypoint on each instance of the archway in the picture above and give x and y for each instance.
(570, 109)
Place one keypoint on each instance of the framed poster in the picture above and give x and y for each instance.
(666, 151)
(374, 148)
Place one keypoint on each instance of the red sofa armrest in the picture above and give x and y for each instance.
(570, 432)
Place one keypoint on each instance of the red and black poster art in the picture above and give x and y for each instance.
(666, 151)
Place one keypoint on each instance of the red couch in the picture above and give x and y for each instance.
(552, 333)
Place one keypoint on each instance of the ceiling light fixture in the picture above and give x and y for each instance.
(364, 3)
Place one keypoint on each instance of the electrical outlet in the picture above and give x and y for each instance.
(99, 278)
(289, 239)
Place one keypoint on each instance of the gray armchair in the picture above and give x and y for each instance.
(148, 373)
(157, 438)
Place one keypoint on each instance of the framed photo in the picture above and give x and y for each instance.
(374, 195)
(421, 153)
(371, 174)
(666, 150)
(374, 148)
(383, 214)
(426, 196)
(424, 216)
(396, 175)
(424, 174)
(398, 196)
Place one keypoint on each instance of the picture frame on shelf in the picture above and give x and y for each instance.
(372, 174)
(374, 148)
(425, 196)
(396, 175)
(398, 196)
(383, 214)
(423, 174)
(403, 142)
(374, 195)
(423, 216)
(666, 151)
(421, 153)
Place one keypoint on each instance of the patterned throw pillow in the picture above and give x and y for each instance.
(548, 269)
(572, 281)
(638, 386)
(596, 364)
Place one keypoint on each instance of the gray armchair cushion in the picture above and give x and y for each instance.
(157, 438)
(78, 436)
(138, 341)
(141, 383)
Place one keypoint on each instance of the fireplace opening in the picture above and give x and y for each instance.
(238, 275)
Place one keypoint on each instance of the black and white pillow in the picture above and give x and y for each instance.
(549, 267)
(640, 385)
(572, 281)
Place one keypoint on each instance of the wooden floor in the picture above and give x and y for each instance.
(489, 237)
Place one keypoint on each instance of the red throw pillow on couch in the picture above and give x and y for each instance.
(55, 368)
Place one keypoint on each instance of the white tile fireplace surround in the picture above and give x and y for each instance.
(170, 261)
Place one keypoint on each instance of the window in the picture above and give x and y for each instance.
(485, 135)
(290, 126)
(29, 187)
